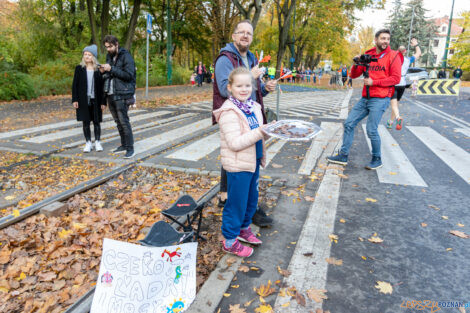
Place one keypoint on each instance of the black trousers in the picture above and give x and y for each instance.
(223, 180)
(119, 110)
(96, 125)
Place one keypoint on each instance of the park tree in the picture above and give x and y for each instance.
(461, 47)
(250, 10)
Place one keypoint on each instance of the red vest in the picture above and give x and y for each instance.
(218, 99)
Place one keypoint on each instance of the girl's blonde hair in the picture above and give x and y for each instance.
(93, 60)
(241, 70)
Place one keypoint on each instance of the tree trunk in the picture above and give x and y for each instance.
(91, 17)
(132, 24)
(104, 23)
(286, 13)
(257, 5)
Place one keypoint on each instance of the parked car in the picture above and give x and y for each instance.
(415, 73)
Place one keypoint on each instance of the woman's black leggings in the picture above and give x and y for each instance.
(87, 130)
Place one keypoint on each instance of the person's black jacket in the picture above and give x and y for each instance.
(79, 94)
(442, 74)
(123, 72)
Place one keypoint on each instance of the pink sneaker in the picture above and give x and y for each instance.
(238, 249)
(246, 235)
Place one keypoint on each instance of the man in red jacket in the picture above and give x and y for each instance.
(384, 74)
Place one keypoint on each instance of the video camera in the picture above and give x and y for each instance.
(364, 59)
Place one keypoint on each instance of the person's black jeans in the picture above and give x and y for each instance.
(223, 180)
(119, 109)
(87, 130)
(199, 79)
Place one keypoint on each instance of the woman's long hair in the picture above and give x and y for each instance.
(93, 60)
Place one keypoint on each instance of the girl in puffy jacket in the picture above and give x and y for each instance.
(242, 152)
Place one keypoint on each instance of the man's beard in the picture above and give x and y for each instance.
(382, 49)
(243, 49)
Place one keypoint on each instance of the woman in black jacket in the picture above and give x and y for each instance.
(88, 97)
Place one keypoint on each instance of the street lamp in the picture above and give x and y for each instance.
(411, 28)
(444, 62)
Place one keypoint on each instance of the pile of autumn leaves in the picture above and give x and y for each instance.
(46, 264)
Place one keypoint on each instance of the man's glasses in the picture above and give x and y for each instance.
(244, 34)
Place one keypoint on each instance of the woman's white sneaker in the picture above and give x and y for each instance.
(98, 146)
(88, 147)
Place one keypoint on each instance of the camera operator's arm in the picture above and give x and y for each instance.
(127, 72)
(356, 71)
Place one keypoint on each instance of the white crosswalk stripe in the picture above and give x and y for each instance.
(198, 149)
(77, 131)
(317, 146)
(451, 154)
(397, 168)
(41, 128)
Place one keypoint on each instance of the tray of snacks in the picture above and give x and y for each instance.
(296, 130)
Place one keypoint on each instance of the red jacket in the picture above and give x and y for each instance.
(385, 73)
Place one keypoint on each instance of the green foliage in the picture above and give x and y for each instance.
(15, 85)
(158, 73)
(462, 47)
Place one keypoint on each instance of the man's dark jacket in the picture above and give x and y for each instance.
(123, 72)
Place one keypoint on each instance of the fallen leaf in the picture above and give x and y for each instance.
(445, 217)
(424, 224)
(8, 198)
(343, 176)
(264, 308)
(308, 254)
(459, 233)
(434, 207)
(384, 287)
(265, 290)
(333, 237)
(277, 165)
(5, 255)
(342, 220)
(64, 233)
(15, 213)
(460, 225)
(449, 249)
(360, 238)
(300, 299)
(236, 309)
(308, 198)
(285, 305)
(235, 286)
(392, 173)
(230, 261)
(317, 295)
(283, 272)
(244, 268)
(227, 295)
(334, 261)
(371, 200)
(22, 276)
(266, 177)
(248, 303)
(375, 239)
(363, 257)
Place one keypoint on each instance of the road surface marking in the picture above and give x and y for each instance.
(77, 131)
(272, 150)
(452, 155)
(397, 168)
(198, 149)
(316, 148)
(344, 106)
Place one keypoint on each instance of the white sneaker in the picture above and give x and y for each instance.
(88, 147)
(98, 146)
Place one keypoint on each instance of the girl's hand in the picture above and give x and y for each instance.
(75, 104)
(264, 126)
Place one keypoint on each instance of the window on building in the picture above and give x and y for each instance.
(436, 42)
(451, 51)
(444, 29)
(434, 59)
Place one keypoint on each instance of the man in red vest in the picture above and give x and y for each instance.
(233, 55)
(384, 74)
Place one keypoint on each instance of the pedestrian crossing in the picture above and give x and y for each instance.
(200, 142)
(324, 104)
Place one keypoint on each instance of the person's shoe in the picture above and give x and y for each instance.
(238, 249)
(98, 146)
(221, 203)
(375, 163)
(399, 123)
(340, 158)
(246, 235)
(129, 154)
(389, 124)
(119, 149)
(88, 147)
(261, 219)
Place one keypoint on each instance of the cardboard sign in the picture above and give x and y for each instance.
(139, 279)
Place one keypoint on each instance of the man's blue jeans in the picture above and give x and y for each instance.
(374, 107)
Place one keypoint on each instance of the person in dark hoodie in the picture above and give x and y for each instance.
(384, 74)
(234, 55)
(120, 69)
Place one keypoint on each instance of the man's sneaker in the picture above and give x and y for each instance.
(238, 249)
(399, 123)
(119, 149)
(389, 124)
(88, 147)
(340, 158)
(98, 146)
(375, 163)
(261, 219)
(129, 154)
(246, 235)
